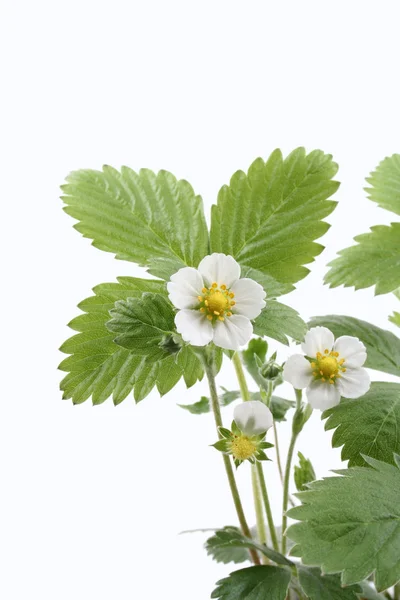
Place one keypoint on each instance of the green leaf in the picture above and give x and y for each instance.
(383, 347)
(325, 587)
(375, 260)
(395, 318)
(224, 553)
(269, 218)
(368, 593)
(153, 220)
(254, 583)
(376, 415)
(279, 407)
(279, 321)
(257, 348)
(97, 366)
(385, 184)
(304, 473)
(142, 324)
(233, 538)
(198, 408)
(351, 524)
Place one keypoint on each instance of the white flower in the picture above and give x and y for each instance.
(214, 303)
(253, 417)
(332, 368)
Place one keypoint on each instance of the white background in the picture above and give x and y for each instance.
(93, 498)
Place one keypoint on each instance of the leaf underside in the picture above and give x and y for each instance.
(269, 218)
(383, 347)
(351, 524)
(97, 367)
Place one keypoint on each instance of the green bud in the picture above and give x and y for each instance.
(271, 370)
(304, 473)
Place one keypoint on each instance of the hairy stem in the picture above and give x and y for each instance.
(227, 462)
(244, 390)
(262, 532)
(288, 469)
(267, 506)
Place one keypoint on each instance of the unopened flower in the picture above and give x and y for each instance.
(214, 303)
(330, 369)
(246, 440)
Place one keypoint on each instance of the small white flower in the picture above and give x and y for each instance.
(214, 303)
(253, 417)
(332, 368)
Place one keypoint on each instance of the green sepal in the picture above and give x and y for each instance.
(225, 432)
(221, 445)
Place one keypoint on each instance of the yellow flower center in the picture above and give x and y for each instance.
(327, 366)
(242, 448)
(216, 302)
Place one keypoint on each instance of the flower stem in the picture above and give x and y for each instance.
(288, 468)
(227, 462)
(267, 506)
(244, 390)
(397, 591)
(277, 451)
(262, 533)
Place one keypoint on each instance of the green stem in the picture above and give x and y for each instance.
(244, 390)
(262, 532)
(288, 468)
(267, 506)
(227, 462)
(277, 451)
(397, 591)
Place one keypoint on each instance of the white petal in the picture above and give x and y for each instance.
(232, 333)
(323, 395)
(194, 327)
(317, 339)
(249, 298)
(297, 371)
(253, 417)
(354, 383)
(184, 287)
(219, 268)
(352, 350)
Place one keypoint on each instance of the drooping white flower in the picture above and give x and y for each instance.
(214, 303)
(253, 417)
(332, 368)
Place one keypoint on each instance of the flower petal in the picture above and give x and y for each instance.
(194, 327)
(232, 333)
(184, 287)
(249, 298)
(352, 350)
(354, 383)
(253, 417)
(297, 371)
(323, 395)
(219, 268)
(317, 339)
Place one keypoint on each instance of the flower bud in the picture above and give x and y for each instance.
(253, 417)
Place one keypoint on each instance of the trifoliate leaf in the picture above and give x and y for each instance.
(153, 220)
(143, 324)
(279, 321)
(269, 218)
(385, 184)
(100, 368)
(254, 583)
(375, 260)
(376, 416)
(325, 587)
(303, 473)
(351, 524)
(383, 347)
(231, 537)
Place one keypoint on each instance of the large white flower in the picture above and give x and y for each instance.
(332, 368)
(214, 303)
(253, 417)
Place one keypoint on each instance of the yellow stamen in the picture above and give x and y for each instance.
(242, 448)
(200, 298)
(223, 287)
(209, 317)
(326, 351)
(214, 285)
